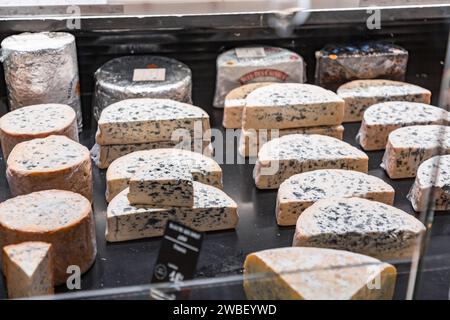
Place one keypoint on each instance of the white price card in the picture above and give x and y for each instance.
(256, 52)
(152, 74)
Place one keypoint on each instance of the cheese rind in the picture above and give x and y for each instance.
(361, 94)
(283, 157)
(382, 118)
(359, 225)
(292, 105)
(316, 274)
(408, 147)
(302, 190)
(28, 269)
(432, 181)
(212, 210)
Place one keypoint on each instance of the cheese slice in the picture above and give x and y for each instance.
(359, 225)
(316, 274)
(408, 147)
(361, 94)
(292, 105)
(146, 120)
(204, 169)
(302, 190)
(28, 269)
(382, 118)
(212, 210)
(296, 153)
(431, 189)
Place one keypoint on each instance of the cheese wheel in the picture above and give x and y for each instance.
(55, 162)
(62, 218)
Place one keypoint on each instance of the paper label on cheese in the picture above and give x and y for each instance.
(153, 74)
(257, 52)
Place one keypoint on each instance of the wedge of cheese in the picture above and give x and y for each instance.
(382, 118)
(296, 153)
(28, 269)
(146, 120)
(408, 147)
(431, 189)
(361, 94)
(316, 274)
(359, 225)
(204, 169)
(302, 190)
(212, 210)
(292, 105)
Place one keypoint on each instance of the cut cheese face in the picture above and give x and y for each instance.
(212, 210)
(283, 157)
(316, 274)
(380, 119)
(361, 94)
(359, 225)
(302, 190)
(292, 105)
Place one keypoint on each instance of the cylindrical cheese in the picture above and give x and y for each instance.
(54, 162)
(37, 121)
(62, 218)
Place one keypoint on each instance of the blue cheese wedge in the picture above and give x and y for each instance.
(431, 189)
(204, 169)
(408, 147)
(300, 191)
(361, 94)
(359, 225)
(292, 105)
(382, 118)
(283, 157)
(212, 210)
(28, 269)
(146, 120)
(316, 274)
(163, 183)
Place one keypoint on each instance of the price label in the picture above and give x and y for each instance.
(256, 52)
(152, 74)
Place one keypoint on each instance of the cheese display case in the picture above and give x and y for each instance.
(297, 149)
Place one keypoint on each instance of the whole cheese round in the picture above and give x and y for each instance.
(54, 162)
(62, 218)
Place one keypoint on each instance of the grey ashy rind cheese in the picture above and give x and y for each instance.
(114, 81)
(41, 68)
(37, 121)
(302, 190)
(28, 269)
(212, 210)
(204, 169)
(408, 147)
(296, 153)
(54, 162)
(359, 225)
(361, 94)
(316, 274)
(432, 185)
(62, 218)
(382, 118)
(292, 105)
(146, 120)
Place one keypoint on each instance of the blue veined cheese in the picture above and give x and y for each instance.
(212, 210)
(408, 147)
(146, 120)
(361, 94)
(204, 169)
(432, 181)
(359, 225)
(251, 140)
(163, 183)
(292, 105)
(316, 274)
(28, 269)
(283, 157)
(302, 190)
(382, 118)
